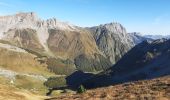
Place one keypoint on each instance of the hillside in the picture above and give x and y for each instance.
(146, 60)
(156, 89)
(20, 69)
(12, 93)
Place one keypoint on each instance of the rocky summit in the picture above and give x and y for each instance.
(113, 40)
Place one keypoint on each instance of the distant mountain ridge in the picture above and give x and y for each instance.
(138, 37)
(157, 36)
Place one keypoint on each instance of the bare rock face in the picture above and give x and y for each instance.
(90, 49)
(112, 40)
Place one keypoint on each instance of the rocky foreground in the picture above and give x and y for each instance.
(156, 89)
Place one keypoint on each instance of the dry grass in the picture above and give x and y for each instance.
(8, 92)
(31, 84)
(22, 62)
(157, 89)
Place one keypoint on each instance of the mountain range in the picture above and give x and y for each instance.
(88, 49)
(38, 53)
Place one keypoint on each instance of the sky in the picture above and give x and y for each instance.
(145, 16)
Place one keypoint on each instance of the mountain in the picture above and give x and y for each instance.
(38, 56)
(138, 38)
(87, 49)
(154, 37)
(112, 39)
(146, 60)
(34, 50)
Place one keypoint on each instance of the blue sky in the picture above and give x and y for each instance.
(145, 16)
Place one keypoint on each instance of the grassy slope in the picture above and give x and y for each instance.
(22, 62)
(8, 92)
(156, 89)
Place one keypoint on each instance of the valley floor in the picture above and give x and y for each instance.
(156, 89)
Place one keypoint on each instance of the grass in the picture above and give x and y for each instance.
(60, 66)
(31, 84)
(155, 89)
(8, 92)
(23, 63)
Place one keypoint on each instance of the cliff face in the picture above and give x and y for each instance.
(90, 49)
(112, 40)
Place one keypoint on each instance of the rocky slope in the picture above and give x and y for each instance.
(156, 89)
(89, 49)
(147, 60)
(112, 39)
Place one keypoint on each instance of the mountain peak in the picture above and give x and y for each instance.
(31, 20)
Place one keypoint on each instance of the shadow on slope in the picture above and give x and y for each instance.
(77, 78)
(147, 60)
(72, 81)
